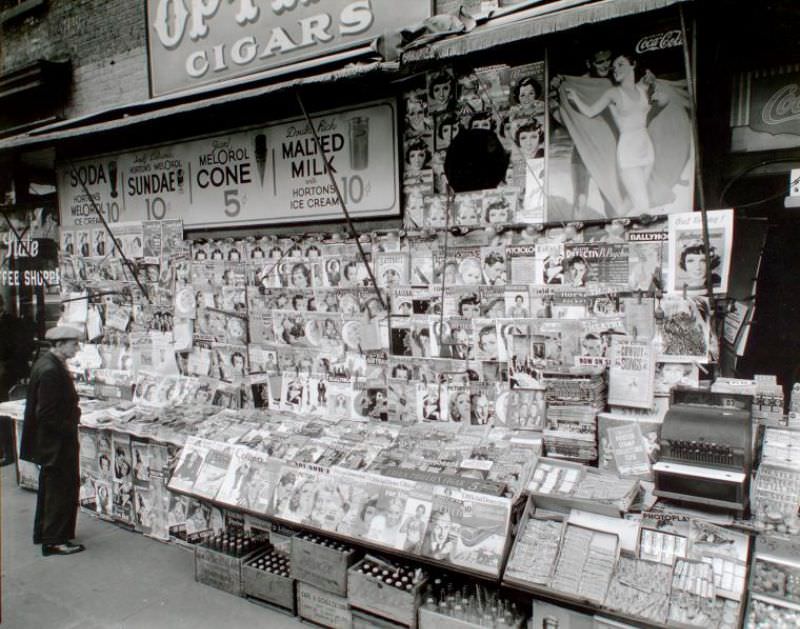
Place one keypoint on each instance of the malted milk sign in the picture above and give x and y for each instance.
(196, 42)
(264, 175)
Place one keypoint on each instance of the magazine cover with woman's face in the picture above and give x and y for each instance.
(620, 141)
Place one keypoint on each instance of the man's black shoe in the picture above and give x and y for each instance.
(62, 549)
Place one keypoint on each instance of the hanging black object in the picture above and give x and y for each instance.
(476, 160)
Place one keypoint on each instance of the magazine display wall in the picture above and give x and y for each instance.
(493, 355)
(414, 428)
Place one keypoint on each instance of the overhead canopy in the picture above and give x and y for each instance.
(543, 19)
(155, 109)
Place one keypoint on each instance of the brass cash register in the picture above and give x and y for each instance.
(706, 449)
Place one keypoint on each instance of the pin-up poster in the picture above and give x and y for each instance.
(620, 141)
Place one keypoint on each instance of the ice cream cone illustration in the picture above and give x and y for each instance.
(260, 142)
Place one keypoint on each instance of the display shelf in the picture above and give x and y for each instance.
(366, 545)
(638, 590)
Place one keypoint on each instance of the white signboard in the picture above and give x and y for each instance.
(273, 174)
(197, 42)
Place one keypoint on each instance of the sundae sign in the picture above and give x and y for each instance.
(198, 42)
(271, 174)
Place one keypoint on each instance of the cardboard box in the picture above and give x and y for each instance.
(321, 565)
(323, 608)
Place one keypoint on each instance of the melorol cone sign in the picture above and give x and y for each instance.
(198, 42)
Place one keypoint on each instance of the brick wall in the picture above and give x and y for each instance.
(104, 39)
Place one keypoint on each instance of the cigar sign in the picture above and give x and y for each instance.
(273, 174)
(197, 42)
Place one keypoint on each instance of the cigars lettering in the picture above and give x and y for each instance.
(198, 42)
(271, 174)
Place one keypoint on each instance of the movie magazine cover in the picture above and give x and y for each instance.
(103, 504)
(670, 375)
(249, 481)
(294, 494)
(647, 258)
(492, 303)
(457, 338)
(212, 471)
(122, 501)
(592, 263)
(391, 507)
(369, 402)
(187, 470)
(323, 330)
(467, 529)
(391, 269)
(468, 209)
(431, 403)
(522, 409)
(522, 264)
(140, 452)
(688, 260)
(402, 401)
(401, 300)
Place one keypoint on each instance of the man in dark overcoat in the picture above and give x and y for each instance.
(50, 439)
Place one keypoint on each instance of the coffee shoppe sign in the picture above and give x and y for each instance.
(197, 42)
(273, 174)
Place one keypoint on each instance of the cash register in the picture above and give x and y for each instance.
(706, 449)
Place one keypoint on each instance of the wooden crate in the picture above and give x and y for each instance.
(372, 595)
(323, 608)
(267, 586)
(321, 566)
(429, 619)
(219, 570)
(363, 620)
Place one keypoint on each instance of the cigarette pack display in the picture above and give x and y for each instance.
(726, 551)
(585, 564)
(322, 562)
(562, 485)
(640, 589)
(661, 547)
(266, 576)
(387, 589)
(533, 557)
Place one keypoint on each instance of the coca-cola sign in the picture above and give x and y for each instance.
(782, 106)
(659, 41)
(775, 103)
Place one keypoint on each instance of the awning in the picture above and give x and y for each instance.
(543, 19)
(148, 111)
